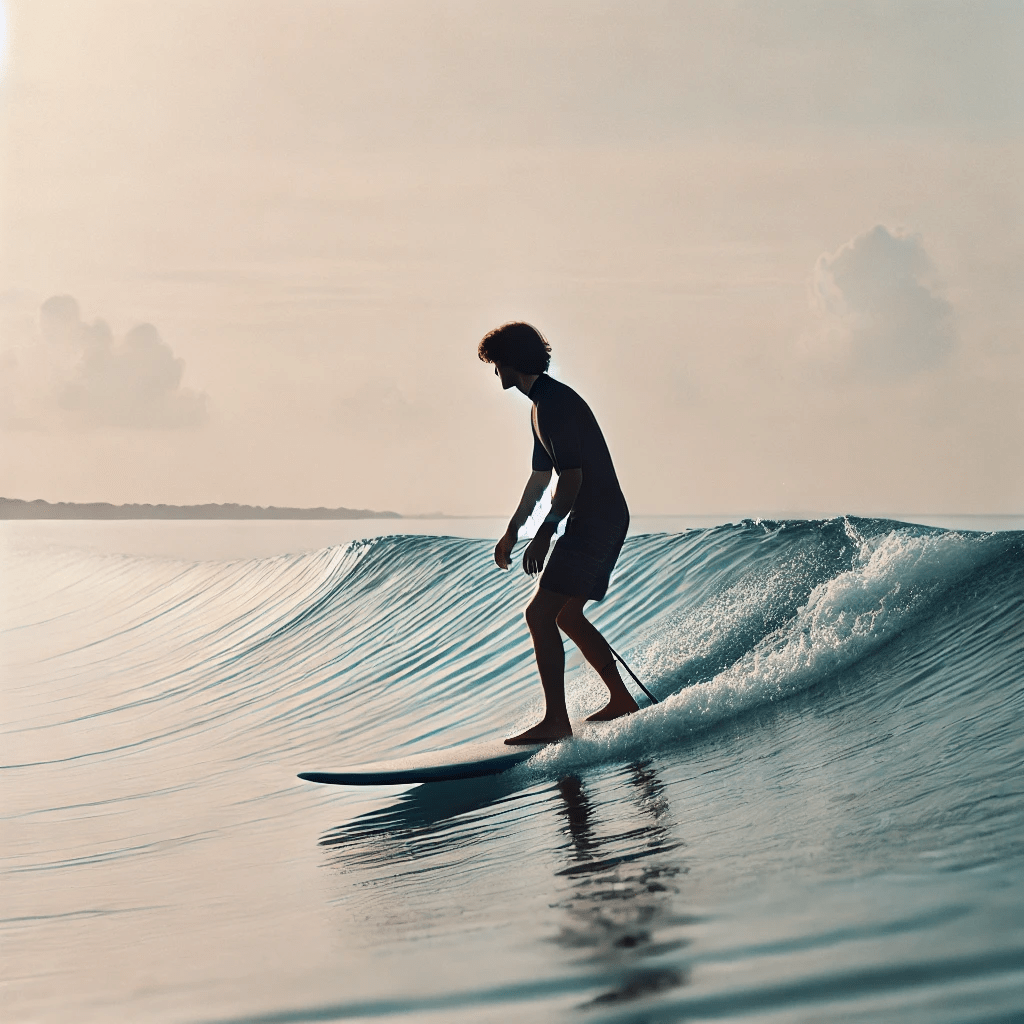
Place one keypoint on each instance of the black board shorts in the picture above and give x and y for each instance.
(583, 557)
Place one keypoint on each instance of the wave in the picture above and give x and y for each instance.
(813, 614)
(402, 643)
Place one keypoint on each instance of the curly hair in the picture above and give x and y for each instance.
(517, 345)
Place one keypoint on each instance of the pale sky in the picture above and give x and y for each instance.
(249, 247)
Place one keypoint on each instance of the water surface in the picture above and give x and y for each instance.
(822, 820)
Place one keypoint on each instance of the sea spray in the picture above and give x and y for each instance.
(894, 578)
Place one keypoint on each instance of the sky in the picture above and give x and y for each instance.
(248, 248)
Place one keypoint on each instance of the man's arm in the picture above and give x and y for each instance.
(535, 488)
(569, 483)
(562, 501)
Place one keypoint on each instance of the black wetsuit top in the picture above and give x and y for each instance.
(566, 436)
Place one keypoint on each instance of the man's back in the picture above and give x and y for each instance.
(567, 436)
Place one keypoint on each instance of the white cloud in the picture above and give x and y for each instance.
(878, 306)
(77, 374)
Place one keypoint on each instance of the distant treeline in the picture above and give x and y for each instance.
(15, 508)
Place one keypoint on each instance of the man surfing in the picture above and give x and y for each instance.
(566, 439)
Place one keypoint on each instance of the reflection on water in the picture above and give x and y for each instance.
(618, 921)
(619, 901)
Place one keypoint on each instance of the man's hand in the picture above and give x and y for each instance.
(503, 550)
(537, 551)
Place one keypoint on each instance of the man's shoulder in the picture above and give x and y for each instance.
(554, 391)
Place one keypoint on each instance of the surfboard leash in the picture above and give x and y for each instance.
(618, 658)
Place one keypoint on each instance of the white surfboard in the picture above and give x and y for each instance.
(468, 761)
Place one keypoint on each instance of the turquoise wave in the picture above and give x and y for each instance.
(406, 642)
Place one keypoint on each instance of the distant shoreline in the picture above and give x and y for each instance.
(15, 508)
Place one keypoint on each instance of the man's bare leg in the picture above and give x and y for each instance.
(541, 613)
(595, 649)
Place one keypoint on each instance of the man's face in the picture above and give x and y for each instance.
(504, 376)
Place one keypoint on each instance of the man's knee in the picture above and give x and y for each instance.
(543, 610)
(570, 616)
(537, 615)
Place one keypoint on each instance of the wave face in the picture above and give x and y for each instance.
(822, 816)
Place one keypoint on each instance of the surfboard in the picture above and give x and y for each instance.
(467, 761)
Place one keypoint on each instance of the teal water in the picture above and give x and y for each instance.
(822, 820)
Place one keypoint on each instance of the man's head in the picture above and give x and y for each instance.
(515, 346)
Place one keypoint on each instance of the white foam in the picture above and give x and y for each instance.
(894, 576)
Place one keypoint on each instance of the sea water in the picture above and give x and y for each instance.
(822, 819)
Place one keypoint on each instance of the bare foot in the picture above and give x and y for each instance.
(543, 732)
(615, 708)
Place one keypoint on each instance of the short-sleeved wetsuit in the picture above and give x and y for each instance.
(566, 436)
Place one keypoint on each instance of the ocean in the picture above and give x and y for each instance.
(822, 819)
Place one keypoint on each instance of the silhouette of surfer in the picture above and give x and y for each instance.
(567, 440)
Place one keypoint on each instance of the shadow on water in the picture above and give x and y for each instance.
(420, 812)
(618, 920)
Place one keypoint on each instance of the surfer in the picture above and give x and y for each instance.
(567, 440)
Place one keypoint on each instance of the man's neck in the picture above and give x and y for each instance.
(526, 381)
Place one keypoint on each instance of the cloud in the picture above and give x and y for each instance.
(77, 374)
(878, 307)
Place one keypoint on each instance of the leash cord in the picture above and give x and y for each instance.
(618, 657)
